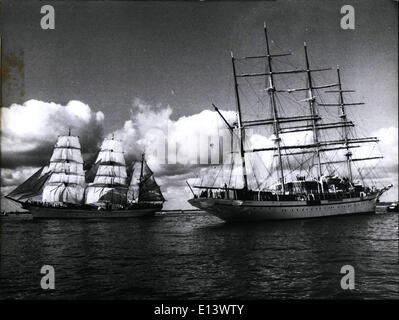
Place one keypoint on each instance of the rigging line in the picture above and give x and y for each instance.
(202, 180)
(361, 170)
(290, 97)
(303, 156)
(335, 156)
(256, 179)
(283, 79)
(300, 164)
(231, 168)
(312, 166)
(281, 110)
(285, 84)
(252, 106)
(247, 145)
(337, 169)
(295, 158)
(256, 95)
(289, 165)
(256, 158)
(360, 173)
(376, 175)
(217, 175)
(242, 94)
(263, 164)
(372, 177)
(371, 170)
(273, 167)
(260, 160)
(315, 62)
(288, 58)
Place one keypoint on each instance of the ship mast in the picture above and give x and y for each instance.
(240, 126)
(276, 126)
(344, 119)
(141, 175)
(311, 101)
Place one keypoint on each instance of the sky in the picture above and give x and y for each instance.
(137, 67)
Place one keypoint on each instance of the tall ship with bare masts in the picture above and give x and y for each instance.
(313, 179)
(62, 189)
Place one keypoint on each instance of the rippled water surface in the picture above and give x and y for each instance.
(194, 255)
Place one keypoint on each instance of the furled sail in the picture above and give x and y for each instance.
(67, 180)
(33, 186)
(143, 186)
(110, 181)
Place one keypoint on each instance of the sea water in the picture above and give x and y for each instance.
(195, 255)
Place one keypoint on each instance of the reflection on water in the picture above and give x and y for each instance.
(195, 255)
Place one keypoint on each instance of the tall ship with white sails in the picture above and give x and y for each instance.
(305, 180)
(62, 189)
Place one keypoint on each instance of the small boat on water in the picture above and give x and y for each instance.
(63, 190)
(393, 207)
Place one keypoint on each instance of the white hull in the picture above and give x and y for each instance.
(238, 210)
(39, 212)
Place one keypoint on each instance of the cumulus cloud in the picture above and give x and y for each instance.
(185, 141)
(388, 147)
(384, 171)
(29, 131)
(10, 178)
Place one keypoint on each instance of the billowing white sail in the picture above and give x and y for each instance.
(67, 181)
(70, 178)
(66, 167)
(111, 152)
(111, 157)
(112, 145)
(112, 171)
(66, 154)
(68, 142)
(110, 183)
(63, 193)
(98, 194)
(110, 180)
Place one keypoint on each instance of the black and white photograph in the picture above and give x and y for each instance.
(199, 150)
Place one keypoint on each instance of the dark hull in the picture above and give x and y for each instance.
(41, 212)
